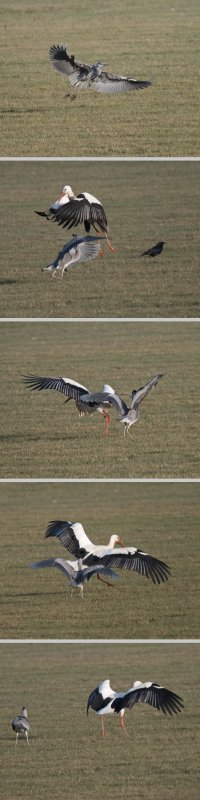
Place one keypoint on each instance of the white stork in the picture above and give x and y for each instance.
(80, 248)
(104, 700)
(75, 571)
(86, 76)
(86, 401)
(71, 210)
(74, 538)
(21, 724)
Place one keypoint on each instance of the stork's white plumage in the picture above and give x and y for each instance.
(70, 210)
(74, 538)
(104, 700)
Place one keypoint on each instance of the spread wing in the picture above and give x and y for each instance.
(139, 394)
(132, 559)
(153, 694)
(64, 566)
(108, 83)
(71, 535)
(119, 404)
(66, 64)
(78, 210)
(70, 388)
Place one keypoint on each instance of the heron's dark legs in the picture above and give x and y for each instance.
(121, 722)
(26, 734)
(102, 727)
(16, 739)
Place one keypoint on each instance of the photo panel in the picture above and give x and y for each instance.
(139, 203)
(156, 758)
(94, 110)
(149, 584)
(42, 436)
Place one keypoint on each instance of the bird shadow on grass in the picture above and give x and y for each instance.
(36, 594)
(8, 282)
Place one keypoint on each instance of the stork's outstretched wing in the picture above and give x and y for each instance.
(151, 693)
(72, 389)
(71, 535)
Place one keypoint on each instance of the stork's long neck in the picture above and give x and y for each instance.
(112, 541)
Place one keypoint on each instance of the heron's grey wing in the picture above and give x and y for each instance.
(87, 250)
(64, 566)
(108, 83)
(99, 398)
(116, 401)
(70, 388)
(153, 694)
(21, 723)
(71, 535)
(65, 63)
(99, 569)
(139, 394)
(136, 560)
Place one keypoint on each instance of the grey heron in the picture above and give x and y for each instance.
(86, 401)
(128, 416)
(74, 538)
(80, 248)
(21, 724)
(155, 250)
(86, 76)
(75, 571)
(104, 700)
(70, 210)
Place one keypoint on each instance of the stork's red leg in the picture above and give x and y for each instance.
(110, 247)
(102, 727)
(121, 722)
(107, 423)
(106, 582)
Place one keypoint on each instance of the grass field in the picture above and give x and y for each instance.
(42, 437)
(162, 519)
(157, 41)
(144, 202)
(158, 760)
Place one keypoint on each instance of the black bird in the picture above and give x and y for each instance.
(154, 251)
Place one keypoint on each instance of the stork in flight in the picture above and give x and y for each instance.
(75, 571)
(80, 248)
(86, 76)
(86, 401)
(70, 210)
(104, 700)
(21, 724)
(73, 537)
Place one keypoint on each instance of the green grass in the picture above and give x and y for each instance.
(42, 437)
(156, 40)
(68, 757)
(162, 519)
(144, 202)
